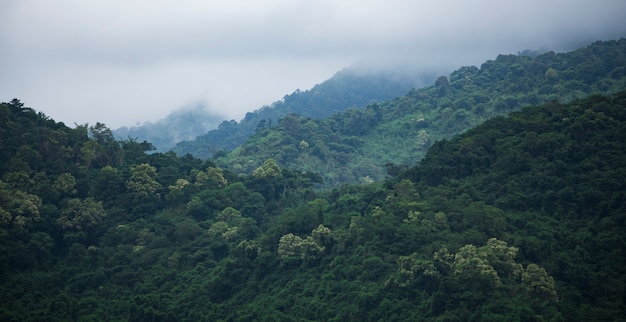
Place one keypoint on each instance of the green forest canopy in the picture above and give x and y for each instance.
(519, 218)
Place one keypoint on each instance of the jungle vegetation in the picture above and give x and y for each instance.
(354, 86)
(360, 145)
(521, 218)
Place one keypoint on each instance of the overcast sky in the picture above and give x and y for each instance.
(129, 61)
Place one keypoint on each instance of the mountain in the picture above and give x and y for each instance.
(182, 124)
(351, 87)
(518, 219)
(362, 145)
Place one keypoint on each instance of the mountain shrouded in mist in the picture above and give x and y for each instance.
(182, 124)
(360, 145)
(351, 87)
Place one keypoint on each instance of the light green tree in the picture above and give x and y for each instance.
(65, 183)
(269, 168)
(17, 208)
(310, 248)
(177, 190)
(502, 257)
(246, 250)
(486, 265)
(222, 229)
(216, 177)
(471, 262)
(539, 284)
(289, 245)
(229, 215)
(411, 269)
(142, 182)
(218, 228)
(303, 145)
(212, 178)
(230, 225)
(322, 235)
(81, 213)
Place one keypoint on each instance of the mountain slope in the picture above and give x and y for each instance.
(164, 134)
(520, 218)
(350, 87)
(356, 145)
(557, 171)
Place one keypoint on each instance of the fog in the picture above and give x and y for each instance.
(126, 62)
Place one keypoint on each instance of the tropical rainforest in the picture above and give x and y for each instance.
(358, 145)
(518, 217)
(356, 86)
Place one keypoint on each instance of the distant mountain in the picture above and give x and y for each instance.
(351, 87)
(182, 124)
(361, 145)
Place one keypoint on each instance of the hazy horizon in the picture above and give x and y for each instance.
(137, 61)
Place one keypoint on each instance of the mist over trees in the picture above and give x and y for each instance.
(361, 145)
(519, 217)
(183, 124)
(351, 87)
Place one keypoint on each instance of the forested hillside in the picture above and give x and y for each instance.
(182, 124)
(520, 218)
(351, 87)
(361, 145)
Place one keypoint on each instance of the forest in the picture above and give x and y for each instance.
(517, 217)
(358, 145)
(351, 87)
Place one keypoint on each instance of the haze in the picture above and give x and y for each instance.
(124, 62)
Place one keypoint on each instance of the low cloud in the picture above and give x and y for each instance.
(132, 61)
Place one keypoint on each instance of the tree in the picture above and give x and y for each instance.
(289, 245)
(65, 183)
(212, 178)
(539, 284)
(323, 236)
(107, 184)
(412, 270)
(101, 133)
(481, 267)
(230, 215)
(177, 190)
(81, 213)
(142, 183)
(16, 103)
(89, 152)
(310, 248)
(17, 208)
(472, 265)
(196, 208)
(269, 169)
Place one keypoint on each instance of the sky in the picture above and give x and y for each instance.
(123, 62)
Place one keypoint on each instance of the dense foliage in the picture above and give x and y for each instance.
(351, 87)
(360, 145)
(520, 218)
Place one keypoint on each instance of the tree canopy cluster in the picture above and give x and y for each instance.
(519, 218)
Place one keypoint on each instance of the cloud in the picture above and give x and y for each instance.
(123, 62)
